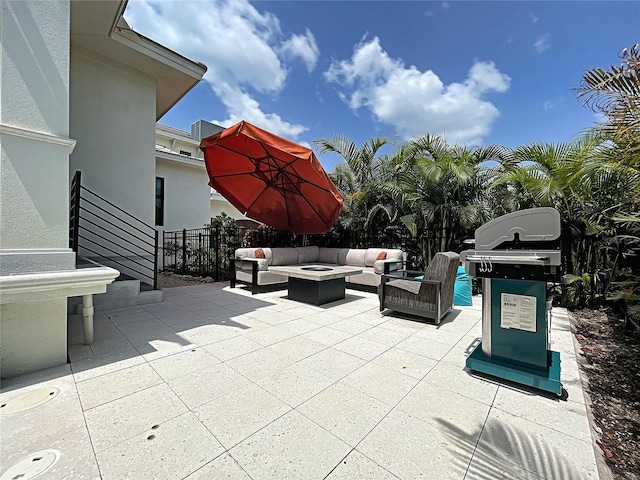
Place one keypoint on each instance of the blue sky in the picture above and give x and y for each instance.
(476, 72)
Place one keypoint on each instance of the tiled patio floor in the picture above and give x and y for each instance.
(215, 383)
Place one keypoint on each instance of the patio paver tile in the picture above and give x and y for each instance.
(208, 333)
(258, 364)
(327, 336)
(241, 413)
(461, 350)
(350, 326)
(380, 383)
(270, 335)
(61, 414)
(405, 362)
(411, 448)
(96, 366)
(222, 467)
(384, 336)
(127, 318)
(174, 449)
(232, 347)
(295, 384)
(344, 411)
(361, 347)
(446, 410)
(114, 422)
(183, 363)
(77, 459)
(357, 466)
(333, 363)
(163, 347)
(424, 347)
(305, 459)
(297, 348)
(565, 417)
(536, 448)
(113, 346)
(484, 467)
(199, 387)
(111, 386)
(454, 378)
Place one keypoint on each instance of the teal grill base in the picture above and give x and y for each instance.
(547, 379)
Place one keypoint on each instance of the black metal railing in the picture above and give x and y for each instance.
(101, 230)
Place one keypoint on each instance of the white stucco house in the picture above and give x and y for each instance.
(183, 196)
(80, 90)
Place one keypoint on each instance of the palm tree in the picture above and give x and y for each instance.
(358, 179)
(616, 94)
(559, 176)
(437, 188)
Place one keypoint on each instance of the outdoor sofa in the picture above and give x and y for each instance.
(247, 268)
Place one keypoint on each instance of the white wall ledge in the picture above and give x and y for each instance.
(38, 136)
(63, 283)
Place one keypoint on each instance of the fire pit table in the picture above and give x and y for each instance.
(316, 284)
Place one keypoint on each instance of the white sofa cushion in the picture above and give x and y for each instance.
(355, 257)
(367, 277)
(242, 253)
(308, 254)
(328, 255)
(371, 255)
(342, 255)
(284, 256)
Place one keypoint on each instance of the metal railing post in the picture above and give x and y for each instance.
(163, 252)
(184, 251)
(155, 261)
(76, 212)
(217, 252)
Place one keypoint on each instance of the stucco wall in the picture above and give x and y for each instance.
(34, 195)
(186, 195)
(35, 65)
(34, 101)
(222, 206)
(113, 120)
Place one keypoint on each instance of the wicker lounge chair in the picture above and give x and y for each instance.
(430, 296)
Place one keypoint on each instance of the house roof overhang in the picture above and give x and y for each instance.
(98, 25)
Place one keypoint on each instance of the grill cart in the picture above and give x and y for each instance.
(515, 256)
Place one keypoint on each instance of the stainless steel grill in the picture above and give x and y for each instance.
(522, 245)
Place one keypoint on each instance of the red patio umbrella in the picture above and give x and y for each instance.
(271, 179)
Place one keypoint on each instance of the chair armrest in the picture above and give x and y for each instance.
(388, 263)
(402, 274)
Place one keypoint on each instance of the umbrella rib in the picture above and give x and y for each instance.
(272, 167)
(277, 172)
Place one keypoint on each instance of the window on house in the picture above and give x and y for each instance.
(159, 201)
(184, 152)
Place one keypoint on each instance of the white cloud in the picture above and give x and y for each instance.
(303, 47)
(416, 102)
(542, 44)
(242, 48)
(534, 18)
(241, 106)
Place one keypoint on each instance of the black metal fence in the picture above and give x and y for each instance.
(207, 251)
